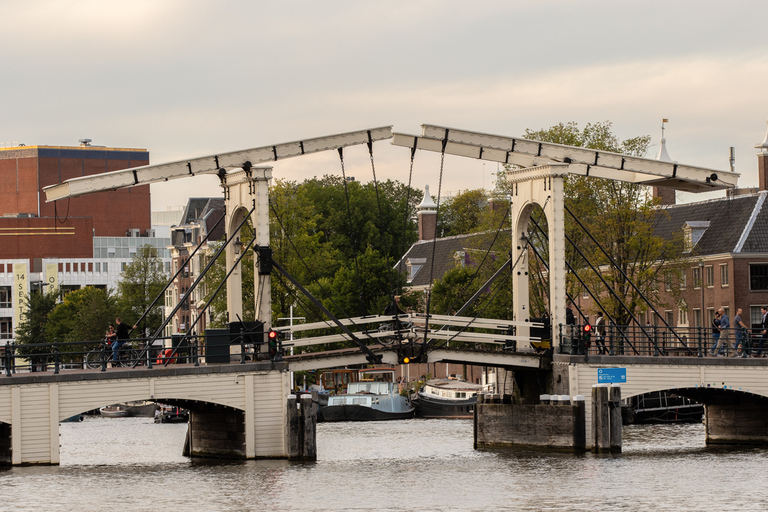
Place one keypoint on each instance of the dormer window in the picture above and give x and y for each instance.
(414, 265)
(693, 231)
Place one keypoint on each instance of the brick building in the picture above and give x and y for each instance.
(82, 241)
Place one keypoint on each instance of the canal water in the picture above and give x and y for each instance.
(128, 464)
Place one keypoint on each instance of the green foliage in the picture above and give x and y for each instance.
(82, 316)
(140, 283)
(621, 216)
(34, 326)
(341, 250)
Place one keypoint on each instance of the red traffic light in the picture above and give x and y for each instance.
(272, 335)
(587, 328)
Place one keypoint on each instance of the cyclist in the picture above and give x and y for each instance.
(122, 335)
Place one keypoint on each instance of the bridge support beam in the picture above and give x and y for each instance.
(745, 422)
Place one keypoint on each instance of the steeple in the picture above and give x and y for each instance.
(662, 155)
(667, 195)
(763, 146)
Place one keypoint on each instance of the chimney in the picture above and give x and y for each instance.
(427, 214)
(762, 163)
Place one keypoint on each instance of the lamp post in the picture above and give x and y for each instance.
(701, 285)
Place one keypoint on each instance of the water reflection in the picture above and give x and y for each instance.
(134, 464)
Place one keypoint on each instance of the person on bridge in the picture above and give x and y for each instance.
(725, 329)
(600, 334)
(122, 335)
(715, 334)
(739, 334)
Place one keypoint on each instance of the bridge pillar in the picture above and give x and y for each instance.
(745, 422)
(542, 186)
(216, 431)
(246, 189)
(5, 444)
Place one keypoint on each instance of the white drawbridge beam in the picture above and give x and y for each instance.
(209, 164)
(581, 161)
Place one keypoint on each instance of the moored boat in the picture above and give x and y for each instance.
(447, 398)
(143, 408)
(660, 407)
(115, 411)
(375, 398)
(171, 414)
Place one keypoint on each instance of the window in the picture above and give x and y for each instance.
(584, 294)
(6, 332)
(697, 317)
(668, 282)
(709, 272)
(696, 277)
(758, 277)
(98, 267)
(755, 317)
(5, 297)
(683, 281)
(669, 317)
(723, 274)
(683, 316)
(105, 267)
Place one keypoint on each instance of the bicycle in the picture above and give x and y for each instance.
(127, 355)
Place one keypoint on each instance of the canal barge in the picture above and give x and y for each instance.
(447, 398)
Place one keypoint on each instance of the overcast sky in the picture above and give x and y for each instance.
(191, 78)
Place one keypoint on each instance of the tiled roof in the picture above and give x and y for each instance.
(473, 245)
(729, 219)
(735, 224)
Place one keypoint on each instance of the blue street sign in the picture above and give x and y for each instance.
(611, 375)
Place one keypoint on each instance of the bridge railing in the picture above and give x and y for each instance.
(99, 355)
(652, 340)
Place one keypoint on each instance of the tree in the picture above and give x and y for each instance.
(330, 235)
(140, 283)
(621, 216)
(34, 327)
(82, 316)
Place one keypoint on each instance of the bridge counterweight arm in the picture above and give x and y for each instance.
(145, 175)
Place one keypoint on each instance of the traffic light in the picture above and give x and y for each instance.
(587, 334)
(265, 260)
(273, 344)
(407, 354)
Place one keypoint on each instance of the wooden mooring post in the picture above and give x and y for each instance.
(606, 418)
(302, 428)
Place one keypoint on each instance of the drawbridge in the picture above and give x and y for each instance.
(537, 180)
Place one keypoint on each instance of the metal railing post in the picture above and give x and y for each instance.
(611, 346)
(196, 350)
(701, 342)
(103, 356)
(148, 350)
(8, 358)
(55, 356)
(242, 345)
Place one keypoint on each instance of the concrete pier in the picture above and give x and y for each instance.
(558, 425)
